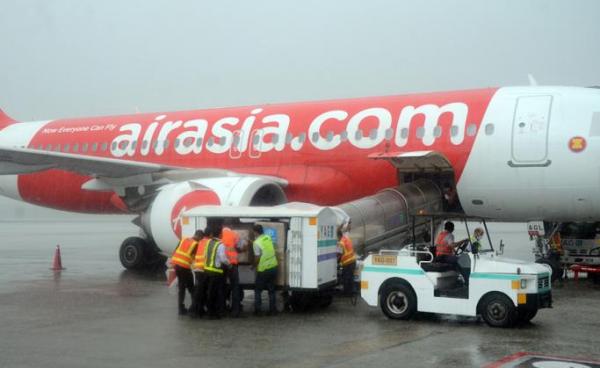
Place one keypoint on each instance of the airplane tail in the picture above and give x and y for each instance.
(5, 120)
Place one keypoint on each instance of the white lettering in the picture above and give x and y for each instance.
(384, 119)
(432, 114)
(122, 144)
(315, 128)
(196, 135)
(218, 131)
(167, 128)
(279, 131)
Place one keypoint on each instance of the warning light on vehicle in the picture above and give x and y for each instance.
(577, 144)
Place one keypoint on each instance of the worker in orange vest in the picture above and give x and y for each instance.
(444, 249)
(347, 260)
(182, 261)
(230, 240)
(200, 286)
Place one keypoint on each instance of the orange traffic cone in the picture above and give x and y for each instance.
(56, 262)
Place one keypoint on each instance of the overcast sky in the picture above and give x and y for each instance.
(80, 58)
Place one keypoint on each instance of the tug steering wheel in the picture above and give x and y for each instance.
(461, 247)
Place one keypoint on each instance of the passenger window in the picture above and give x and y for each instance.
(302, 137)
(94, 147)
(57, 148)
(155, 144)
(188, 141)
(275, 139)
(166, 144)
(123, 145)
(255, 139)
(66, 148)
(210, 141)
(144, 144)
(315, 137)
(288, 137)
(454, 130)
(358, 135)
(344, 136)
(404, 133)
(420, 132)
(76, 147)
(114, 146)
(104, 147)
(84, 147)
(329, 136)
(389, 133)
(176, 142)
(437, 131)
(199, 142)
(40, 146)
(49, 147)
(471, 130)
(222, 141)
(133, 144)
(489, 129)
(373, 134)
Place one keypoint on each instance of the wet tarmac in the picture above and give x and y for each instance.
(95, 314)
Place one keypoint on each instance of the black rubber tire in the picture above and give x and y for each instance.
(524, 315)
(398, 301)
(325, 300)
(557, 270)
(498, 310)
(300, 302)
(133, 253)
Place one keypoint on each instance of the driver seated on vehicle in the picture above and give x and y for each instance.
(445, 249)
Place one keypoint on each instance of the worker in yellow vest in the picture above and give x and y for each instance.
(182, 261)
(215, 262)
(347, 260)
(265, 262)
(200, 288)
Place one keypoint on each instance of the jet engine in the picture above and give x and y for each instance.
(162, 220)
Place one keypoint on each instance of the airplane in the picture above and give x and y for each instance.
(512, 153)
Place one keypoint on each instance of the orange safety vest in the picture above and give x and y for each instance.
(441, 246)
(199, 260)
(348, 255)
(230, 238)
(182, 256)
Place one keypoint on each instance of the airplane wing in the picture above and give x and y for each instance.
(15, 160)
(107, 173)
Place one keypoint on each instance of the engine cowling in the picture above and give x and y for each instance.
(162, 220)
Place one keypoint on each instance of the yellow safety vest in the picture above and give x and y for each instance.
(210, 257)
(268, 260)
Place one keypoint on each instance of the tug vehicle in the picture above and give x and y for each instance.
(503, 291)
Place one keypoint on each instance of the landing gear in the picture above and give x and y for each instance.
(139, 254)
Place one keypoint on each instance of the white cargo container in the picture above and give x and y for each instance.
(306, 255)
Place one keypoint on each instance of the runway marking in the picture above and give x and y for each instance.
(534, 360)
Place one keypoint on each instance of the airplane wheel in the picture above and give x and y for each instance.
(132, 253)
(398, 301)
(498, 310)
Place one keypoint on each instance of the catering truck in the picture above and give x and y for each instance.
(305, 241)
(503, 291)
